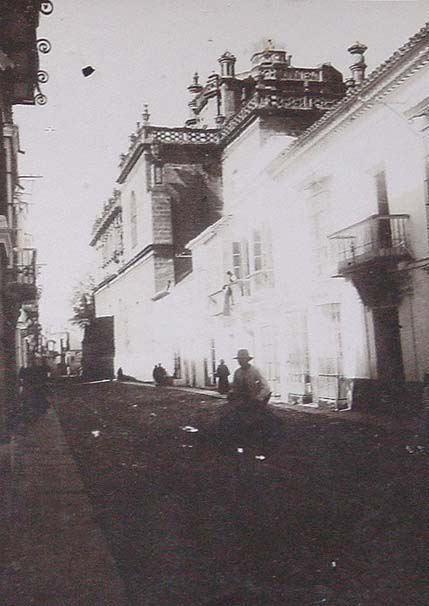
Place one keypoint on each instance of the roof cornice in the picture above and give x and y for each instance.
(209, 232)
(166, 249)
(131, 161)
(105, 222)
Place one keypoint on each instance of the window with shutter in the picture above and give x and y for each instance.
(236, 259)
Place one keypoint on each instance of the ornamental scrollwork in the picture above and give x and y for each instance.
(42, 76)
(44, 46)
(46, 7)
(41, 99)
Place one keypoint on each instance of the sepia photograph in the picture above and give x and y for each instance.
(214, 303)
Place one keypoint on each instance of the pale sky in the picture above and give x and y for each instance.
(146, 52)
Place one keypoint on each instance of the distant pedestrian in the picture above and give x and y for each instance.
(159, 374)
(222, 374)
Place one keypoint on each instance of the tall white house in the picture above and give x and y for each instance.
(288, 216)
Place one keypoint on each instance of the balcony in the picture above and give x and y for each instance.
(181, 135)
(21, 283)
(377, 241)
(269, 101)
(155, 135)
(223, 301)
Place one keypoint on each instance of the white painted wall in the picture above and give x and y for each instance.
(256, 193)
(137, 182)
(127, 298)
(381, 138)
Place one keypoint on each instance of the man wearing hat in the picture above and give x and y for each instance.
(250, 391)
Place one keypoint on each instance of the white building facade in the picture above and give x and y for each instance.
(317, 208)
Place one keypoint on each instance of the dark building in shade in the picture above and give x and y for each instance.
(20, 79)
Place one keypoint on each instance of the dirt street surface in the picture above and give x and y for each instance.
(335, 514)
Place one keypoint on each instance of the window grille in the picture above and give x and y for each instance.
(330, 356)
(236, 259)
(257, 250)
(270, 358)
(298, 358)
(319, 205)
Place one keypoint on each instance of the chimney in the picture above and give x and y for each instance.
(227, 65)
(358, 66)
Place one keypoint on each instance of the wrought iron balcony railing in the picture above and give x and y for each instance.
(223, 301)
(24, 267)
(21, 278)
(376, 238)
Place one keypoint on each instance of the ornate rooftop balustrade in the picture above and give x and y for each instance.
(163, 134)
(261, 99)
(271, 100)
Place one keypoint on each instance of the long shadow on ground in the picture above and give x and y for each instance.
(314, 511)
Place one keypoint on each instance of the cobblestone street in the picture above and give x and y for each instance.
(326, 511)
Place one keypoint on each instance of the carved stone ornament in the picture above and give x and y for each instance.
(46, 7)
(44, 46)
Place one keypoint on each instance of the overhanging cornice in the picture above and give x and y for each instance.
(166, 249)
(131, 162)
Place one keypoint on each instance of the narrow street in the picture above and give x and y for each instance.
(334, 514)
(214, 303)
